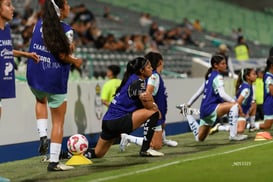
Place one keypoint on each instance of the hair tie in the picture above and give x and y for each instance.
(57, 9)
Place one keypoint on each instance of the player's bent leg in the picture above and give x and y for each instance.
(124, 141)
(102, 147)
(156, 142)
(193, 125)
(266, 125)
(203, 132)
(241, 125)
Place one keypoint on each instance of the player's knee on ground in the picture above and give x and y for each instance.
(156, 142)
(266, 125)
(201, 138)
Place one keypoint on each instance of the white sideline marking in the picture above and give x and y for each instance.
(177, 162)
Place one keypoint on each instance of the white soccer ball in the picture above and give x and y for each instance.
(77, 144)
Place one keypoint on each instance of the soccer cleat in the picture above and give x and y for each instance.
(65, 155)
(214, 129)
(123, 142)
(56, 166)
(44, 143)
(238, 137)
(185, 110)
(170, 143)
(151, 153)
(252, 129)
(45, 158)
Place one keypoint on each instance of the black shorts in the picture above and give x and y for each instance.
(113, 128)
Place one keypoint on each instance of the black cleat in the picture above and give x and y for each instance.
(56, 166)
(65, 155)
(44, 143)
(150, 153)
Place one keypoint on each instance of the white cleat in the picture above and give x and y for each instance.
(151, 153)
(170, 143)
(58, 167)
(238, 137)
(124, 142)
(214, 129)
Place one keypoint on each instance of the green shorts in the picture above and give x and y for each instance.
(268, 117)
(54, 100)
(210, 119)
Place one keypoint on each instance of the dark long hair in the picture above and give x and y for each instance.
(215, 59)
(133, 67)
(154, 58)
(269, 62)
(242, 77)
(54, 36)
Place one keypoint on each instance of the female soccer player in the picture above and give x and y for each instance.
(52, 41)
(156, 87)
(268, 96)
(131, 107)
(7, 81)
(244, 97)
(215, 102)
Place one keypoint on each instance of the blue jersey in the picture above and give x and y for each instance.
(160, 95)
(127, 99)
(246, 91)
(50, 74)
(7, 77)
(268, 98)
(211, 97)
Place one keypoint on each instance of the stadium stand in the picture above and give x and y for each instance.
(217, 26)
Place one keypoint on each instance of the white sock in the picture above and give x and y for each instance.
(194, 126)
(224, 128)
(233, 117)
(135, 140)
(42, 127)
(252, 120)
(55, 150)
(257, 125)
(163, 135)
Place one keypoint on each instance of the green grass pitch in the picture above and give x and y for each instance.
(216, 159)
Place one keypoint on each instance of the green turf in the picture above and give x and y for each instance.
(190, 161)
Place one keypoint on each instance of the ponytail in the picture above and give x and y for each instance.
(215, 59)
(208, 72)
(53, 33)
(269, 62)
(133, 67)
(242, 77)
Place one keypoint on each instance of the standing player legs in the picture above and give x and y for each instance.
(41, 116)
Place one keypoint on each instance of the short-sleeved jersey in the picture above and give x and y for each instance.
(211, 97)
(160, 94)
(109, 89)
(246, 91)
(127, 99)
(268, 98)
(50, 74)
(7, 77)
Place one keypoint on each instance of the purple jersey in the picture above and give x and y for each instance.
(50, 74)
(246, 90)
(127, 99)
(160, 97)
(268, 98)
(7, 78)
(211, 97)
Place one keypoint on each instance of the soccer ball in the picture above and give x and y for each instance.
(77, 144)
